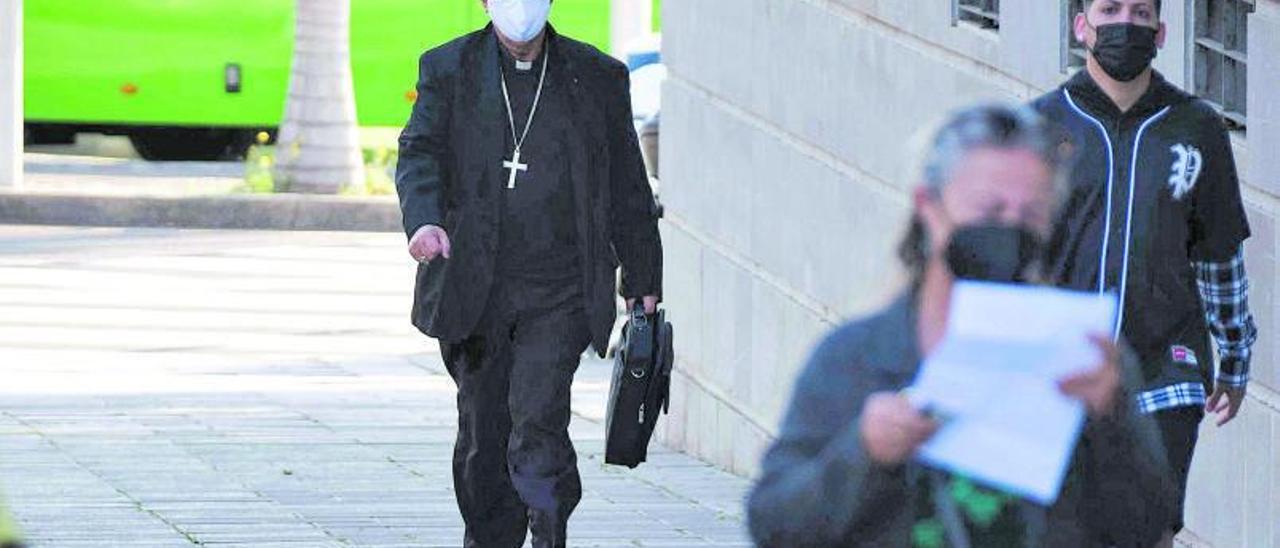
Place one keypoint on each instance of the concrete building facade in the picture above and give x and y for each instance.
(785, 181)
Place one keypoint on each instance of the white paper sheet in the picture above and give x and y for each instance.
(994, 381)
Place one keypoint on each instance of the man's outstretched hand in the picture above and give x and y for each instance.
(429, 242)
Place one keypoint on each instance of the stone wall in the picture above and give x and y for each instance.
(786, 187)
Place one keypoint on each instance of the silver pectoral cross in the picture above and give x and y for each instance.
(515, 166)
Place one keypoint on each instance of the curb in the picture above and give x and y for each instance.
(248, 211)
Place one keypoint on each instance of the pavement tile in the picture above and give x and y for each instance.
(264, 389)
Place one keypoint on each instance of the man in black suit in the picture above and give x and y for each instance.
(522, 189)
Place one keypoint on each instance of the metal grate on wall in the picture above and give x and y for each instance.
(1220, 56)
(983, 13)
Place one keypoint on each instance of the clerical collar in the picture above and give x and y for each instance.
(509, 60)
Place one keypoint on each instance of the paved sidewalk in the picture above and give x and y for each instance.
(98, 175)
(70, 189)
(170, 388)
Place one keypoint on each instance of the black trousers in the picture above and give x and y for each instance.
(1180, 428)
(514, 467)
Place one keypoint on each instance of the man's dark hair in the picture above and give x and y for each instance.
(1159, 5)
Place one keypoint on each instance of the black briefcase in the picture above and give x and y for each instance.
(640, 389)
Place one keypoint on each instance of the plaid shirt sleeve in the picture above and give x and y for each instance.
(1224, 290)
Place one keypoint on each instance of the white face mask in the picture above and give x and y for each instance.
(519, 20)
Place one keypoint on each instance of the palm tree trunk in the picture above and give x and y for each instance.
(629, 21)
(318, 149)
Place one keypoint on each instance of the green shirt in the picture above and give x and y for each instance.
(991, 518)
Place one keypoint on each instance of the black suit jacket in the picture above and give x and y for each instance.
(450, 174)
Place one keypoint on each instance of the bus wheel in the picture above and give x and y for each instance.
(39, 134)
(188, 144)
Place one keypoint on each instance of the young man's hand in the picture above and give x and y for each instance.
(1226, 409)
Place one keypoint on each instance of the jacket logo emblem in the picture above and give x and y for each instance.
(1183, 355)
(1186, 169)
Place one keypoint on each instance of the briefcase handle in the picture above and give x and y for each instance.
(637, 312)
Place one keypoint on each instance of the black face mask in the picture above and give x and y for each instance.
(993, 253)
(1124, 50)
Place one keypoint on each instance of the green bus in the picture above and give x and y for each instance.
(198, 79)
